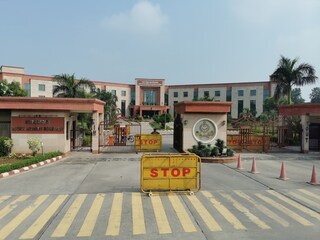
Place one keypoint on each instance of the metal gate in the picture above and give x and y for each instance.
(178, 134)
(80, 139)
(119, 137)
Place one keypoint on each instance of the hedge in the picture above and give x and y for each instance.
(27, 162)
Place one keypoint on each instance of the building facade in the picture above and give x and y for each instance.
(151, 96)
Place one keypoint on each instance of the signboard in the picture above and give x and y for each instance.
(152, 83)
(37, 125)
(148, 142)
(170, 172)
(204, 130)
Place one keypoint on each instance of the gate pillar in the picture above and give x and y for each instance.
(200, 121)
(96, 119)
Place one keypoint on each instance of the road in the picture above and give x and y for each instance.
(88, 196)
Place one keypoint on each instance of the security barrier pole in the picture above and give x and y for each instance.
(166, 173)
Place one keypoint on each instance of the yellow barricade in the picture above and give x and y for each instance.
(148, 142)
(170, 173)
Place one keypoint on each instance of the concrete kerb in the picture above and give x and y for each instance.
(27, 168)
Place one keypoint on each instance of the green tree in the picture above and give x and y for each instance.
(69, 87)
(288, 74)
(110, 109)
(296, 96)
(12, 89)
(315, 95)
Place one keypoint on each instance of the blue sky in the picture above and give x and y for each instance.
(182, 41)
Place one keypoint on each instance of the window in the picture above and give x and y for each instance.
(253, 107)
(42, 87)
(26, 87)
(229, 95)
(113, 92)
(266, 93)
(240, 93)
(195, 95)
(123, 93)
(123, 107)
(253, 92)
(240, 107)
(217, 93)
(175, 94)
(206, 94)
(133, 98)
(166, 99)
(185, 94)
(149, 97)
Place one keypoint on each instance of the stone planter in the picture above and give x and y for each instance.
(219, 159)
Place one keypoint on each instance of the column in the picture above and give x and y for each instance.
(305, 121)
(95, 132)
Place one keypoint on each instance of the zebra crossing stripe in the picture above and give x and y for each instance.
(35, 228)
(3, 198)
(285, 210)
(263, 209)
(204, 214)
(317, 196)
(137, 215)
(69, 217)
(295, 204)
(6, 210)
(160, 214)
(246, 212)
(306, 200)
(182, 214)
(91, 218)
(14, 223)
(224, 212)
(114, 223)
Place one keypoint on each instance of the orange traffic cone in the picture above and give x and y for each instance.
(314, 180)
(239, 165)
(283, 175)
(254, 166)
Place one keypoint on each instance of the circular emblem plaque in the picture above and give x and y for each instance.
(204, 130)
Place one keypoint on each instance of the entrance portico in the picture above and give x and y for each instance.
(310, 121)
(49, 119)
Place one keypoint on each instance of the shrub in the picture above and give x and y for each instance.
(26, 162)
(203, 150)
(5, 148)
(34, 145)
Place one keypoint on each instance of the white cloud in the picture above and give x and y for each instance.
(143, 18)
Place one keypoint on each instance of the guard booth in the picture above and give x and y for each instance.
(166, 173)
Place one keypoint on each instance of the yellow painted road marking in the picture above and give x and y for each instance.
(35, 228)
(246, 212)
(204, 214)
(264, 209)
(137, 215)
(69, 217)
(295, 204)
(91, 218)
(161, 217)
(224, 212)
(306, 200)
(114, 223)
(7, 229)
(182, 214)
(285, 210)
(6, 210)
(3, 198)
(317, 196)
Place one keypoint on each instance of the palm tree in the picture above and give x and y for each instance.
(110, 109)
(69, 87)
(288, 75)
